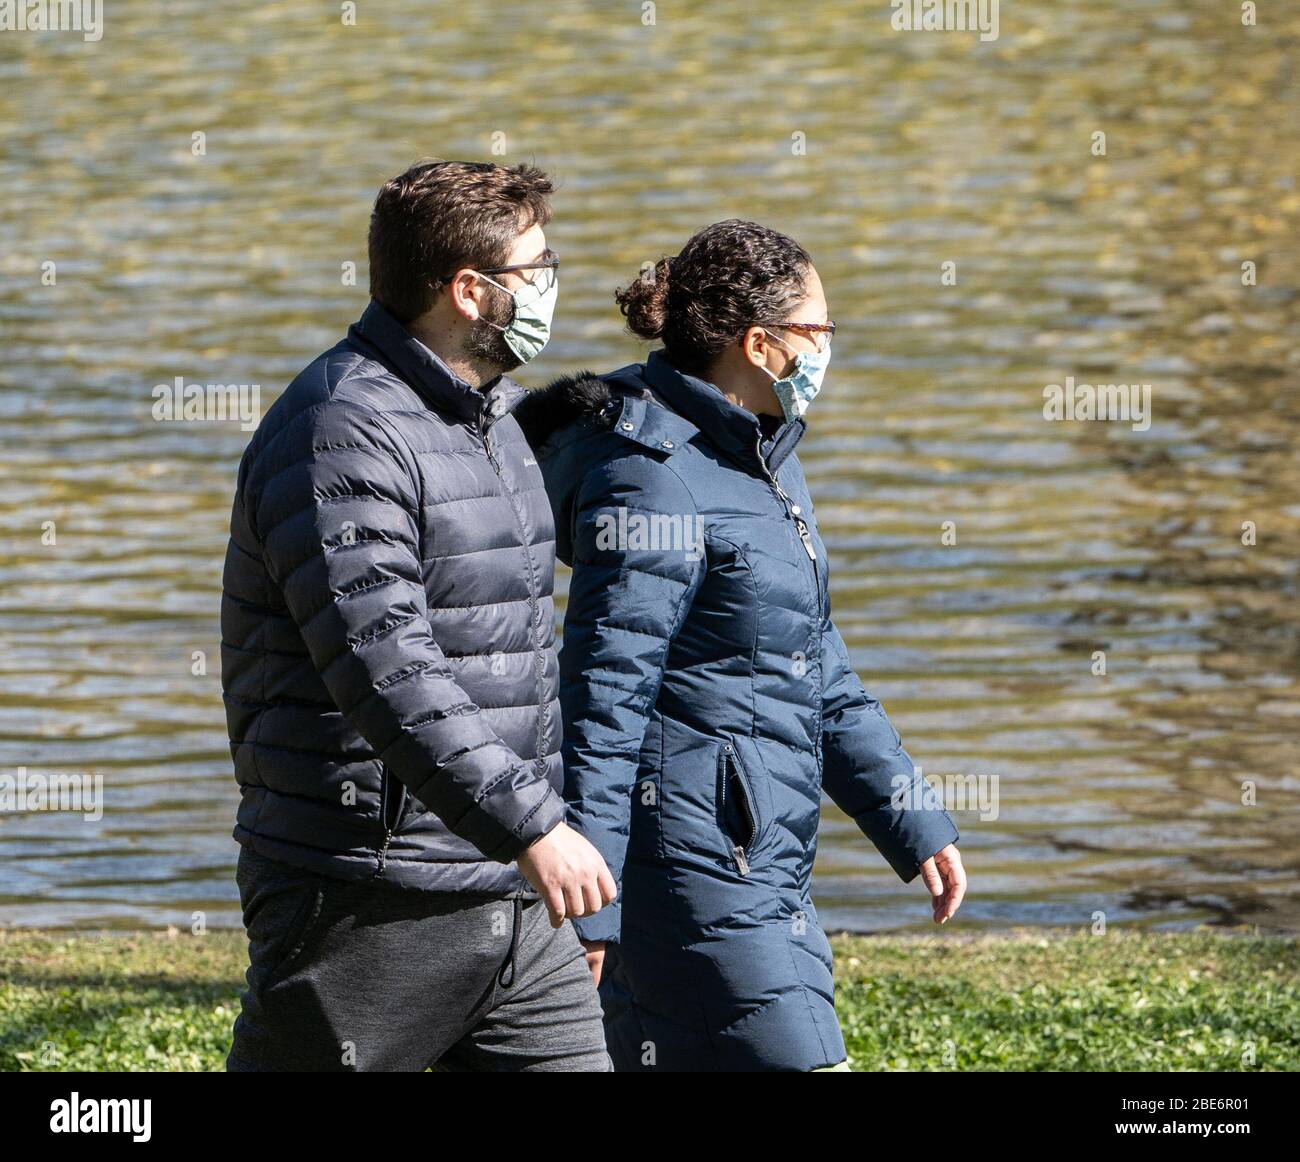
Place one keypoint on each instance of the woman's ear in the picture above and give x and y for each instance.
(755, 344)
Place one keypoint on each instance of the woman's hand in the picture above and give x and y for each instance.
(946, 879)
(595, 957)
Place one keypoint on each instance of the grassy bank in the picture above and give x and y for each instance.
(1204, 1001)
(1016, 1001)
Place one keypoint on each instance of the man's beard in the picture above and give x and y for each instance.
(489, 344)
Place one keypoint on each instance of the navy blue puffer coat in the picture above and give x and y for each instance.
(707, 700)
(387, 629)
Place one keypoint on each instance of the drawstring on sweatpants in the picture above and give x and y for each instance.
(506, 977)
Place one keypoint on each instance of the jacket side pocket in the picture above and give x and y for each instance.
(737, 815)
(392, 801)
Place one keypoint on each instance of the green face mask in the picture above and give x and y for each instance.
(534, 307)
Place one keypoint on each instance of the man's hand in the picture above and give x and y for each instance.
(568, 874)
(946, 879)
(595, 958)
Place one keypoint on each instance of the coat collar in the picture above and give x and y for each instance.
(423, 371)
(731, 429)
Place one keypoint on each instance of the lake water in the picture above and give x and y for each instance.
(887, 154)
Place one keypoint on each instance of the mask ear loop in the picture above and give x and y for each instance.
(793, 354)
(514, 307)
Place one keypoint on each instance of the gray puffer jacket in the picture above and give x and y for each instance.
(387, 624)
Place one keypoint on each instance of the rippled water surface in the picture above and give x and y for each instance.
(1119, 793)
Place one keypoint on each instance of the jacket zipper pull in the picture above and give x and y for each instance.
(806, 537)
(792, 510)
(742, 864)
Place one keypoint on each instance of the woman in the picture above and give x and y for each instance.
(707, 696)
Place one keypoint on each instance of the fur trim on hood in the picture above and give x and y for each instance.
(547, 410)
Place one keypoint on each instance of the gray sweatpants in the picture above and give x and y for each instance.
(364, 976)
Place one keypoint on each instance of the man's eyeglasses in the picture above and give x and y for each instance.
(546, 268)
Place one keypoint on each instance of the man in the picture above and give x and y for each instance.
(390, 675)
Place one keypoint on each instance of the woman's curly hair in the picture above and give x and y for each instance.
(727, 277)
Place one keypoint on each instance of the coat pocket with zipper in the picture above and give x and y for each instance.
(392, 805)
(736, 812)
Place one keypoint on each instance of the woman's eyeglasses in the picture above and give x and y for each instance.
(814, 331)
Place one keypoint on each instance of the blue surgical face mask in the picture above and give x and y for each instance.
(798, 389)
(527, 332)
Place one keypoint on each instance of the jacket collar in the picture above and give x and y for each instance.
(731, 429)
(423, 371)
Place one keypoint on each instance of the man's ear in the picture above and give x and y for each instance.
(464, 292)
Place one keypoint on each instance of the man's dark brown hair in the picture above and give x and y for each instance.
(440, 216)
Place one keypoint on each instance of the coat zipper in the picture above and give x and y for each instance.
(730, 770)
(791, 509)
(534, 610)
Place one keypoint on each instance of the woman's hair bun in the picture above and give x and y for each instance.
(728, 277)
(644, 301)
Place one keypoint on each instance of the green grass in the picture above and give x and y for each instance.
(144, 1001)
(1014, 1001)
(1133, 1001)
